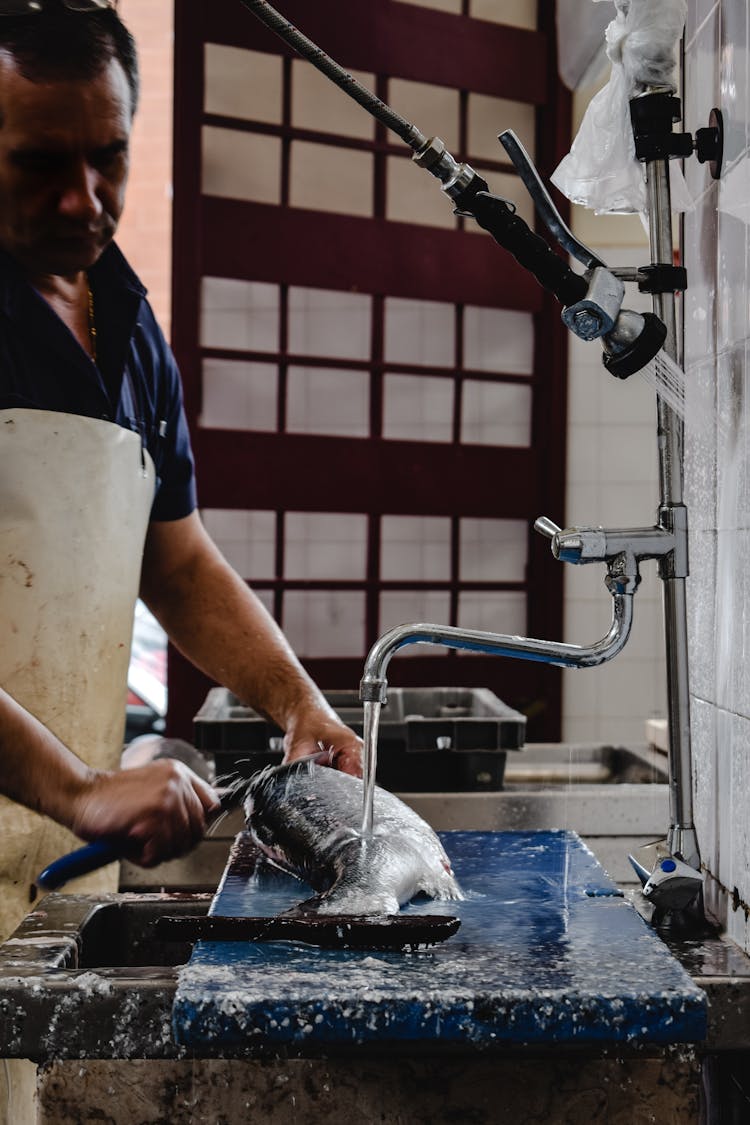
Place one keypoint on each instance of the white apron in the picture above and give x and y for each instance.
(75, 498)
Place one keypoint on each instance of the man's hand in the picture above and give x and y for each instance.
(320, 734)
(158, 810)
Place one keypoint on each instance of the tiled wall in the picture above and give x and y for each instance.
(717, 332)
(612, 481)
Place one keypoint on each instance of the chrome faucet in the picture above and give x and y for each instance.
(620, 550)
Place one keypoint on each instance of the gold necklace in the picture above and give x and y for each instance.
(92, 323)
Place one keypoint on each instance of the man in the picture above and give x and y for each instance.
(97, 498)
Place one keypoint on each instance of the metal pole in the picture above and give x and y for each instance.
(681, 839)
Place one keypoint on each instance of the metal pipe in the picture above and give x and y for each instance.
(681, 838)
(336, 73)
(373, 686)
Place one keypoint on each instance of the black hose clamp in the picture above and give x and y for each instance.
(662, 278)
(652, 117)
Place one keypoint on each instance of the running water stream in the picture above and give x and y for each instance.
(369, 763)
(670, 383)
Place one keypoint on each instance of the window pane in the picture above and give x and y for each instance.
(493, 550)
(319, 105)
(325, 545)
(246, 539)
(414, 197)
(239, 314)
(418, 408)
(419, 332)
(328, 401)
(398, 607)
(325, 622)
(231, 74)
(504, 612)
(326, 323)
(517, 13)
(441, 5)
(496, 414)
(489, 116)
(240, 165)
(415, 548)
(434, 107)
(498, 340)
(239, 395)
(326, 178)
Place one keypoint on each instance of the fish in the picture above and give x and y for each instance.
(306, 818)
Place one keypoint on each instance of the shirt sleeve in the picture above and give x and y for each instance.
(169, 442)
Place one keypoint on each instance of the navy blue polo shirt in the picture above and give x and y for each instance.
(135, 381)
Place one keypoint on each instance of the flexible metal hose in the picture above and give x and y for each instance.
(324, 63)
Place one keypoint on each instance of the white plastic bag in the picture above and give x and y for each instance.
(601, 170)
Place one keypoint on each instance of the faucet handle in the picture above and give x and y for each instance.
(545, 526)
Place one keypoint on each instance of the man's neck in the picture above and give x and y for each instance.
(70, 297)
(61, 289)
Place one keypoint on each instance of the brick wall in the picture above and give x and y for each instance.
(146, 228)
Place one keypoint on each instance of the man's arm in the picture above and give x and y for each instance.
(158, 810)
(225, 630)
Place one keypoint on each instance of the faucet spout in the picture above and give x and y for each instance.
(373, 686)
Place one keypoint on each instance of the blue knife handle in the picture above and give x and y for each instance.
(80, 862)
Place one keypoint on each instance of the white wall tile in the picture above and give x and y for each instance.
(323, 322)
(329, 178)
(498, 340)
(516, 13)
(228, 73)
(239, 314)
(246, 538)
(415, 548)
(488, 116)
(321, 623)
(496, 413)
(239, 395)
(323, 400)
(412, 198)
(493, 550)
(400, 607)
(325, 545)
(502, 612)
(239, 165)
(436, 108)
(319, 105)
(418, 408)
(420, 332)
(717, 328)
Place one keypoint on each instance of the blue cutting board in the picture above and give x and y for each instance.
(548, 952)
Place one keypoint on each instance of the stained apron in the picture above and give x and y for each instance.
(75, 498)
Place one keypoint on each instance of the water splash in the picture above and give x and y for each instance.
(694, 405)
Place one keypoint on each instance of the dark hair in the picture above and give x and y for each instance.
(58, 44)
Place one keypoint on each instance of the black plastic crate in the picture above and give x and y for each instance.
(429, 740)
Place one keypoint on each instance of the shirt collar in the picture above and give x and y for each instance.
(111, 269)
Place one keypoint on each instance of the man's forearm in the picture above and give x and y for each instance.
(36, 769)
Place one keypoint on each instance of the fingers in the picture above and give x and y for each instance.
(158, 810)
(348, 759)
(344, 755)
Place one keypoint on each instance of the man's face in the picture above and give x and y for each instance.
(63, 167)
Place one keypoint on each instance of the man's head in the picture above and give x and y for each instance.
(68, 89)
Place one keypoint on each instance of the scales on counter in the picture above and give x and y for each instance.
(548, 952)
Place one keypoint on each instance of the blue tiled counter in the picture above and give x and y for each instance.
(548, 952)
